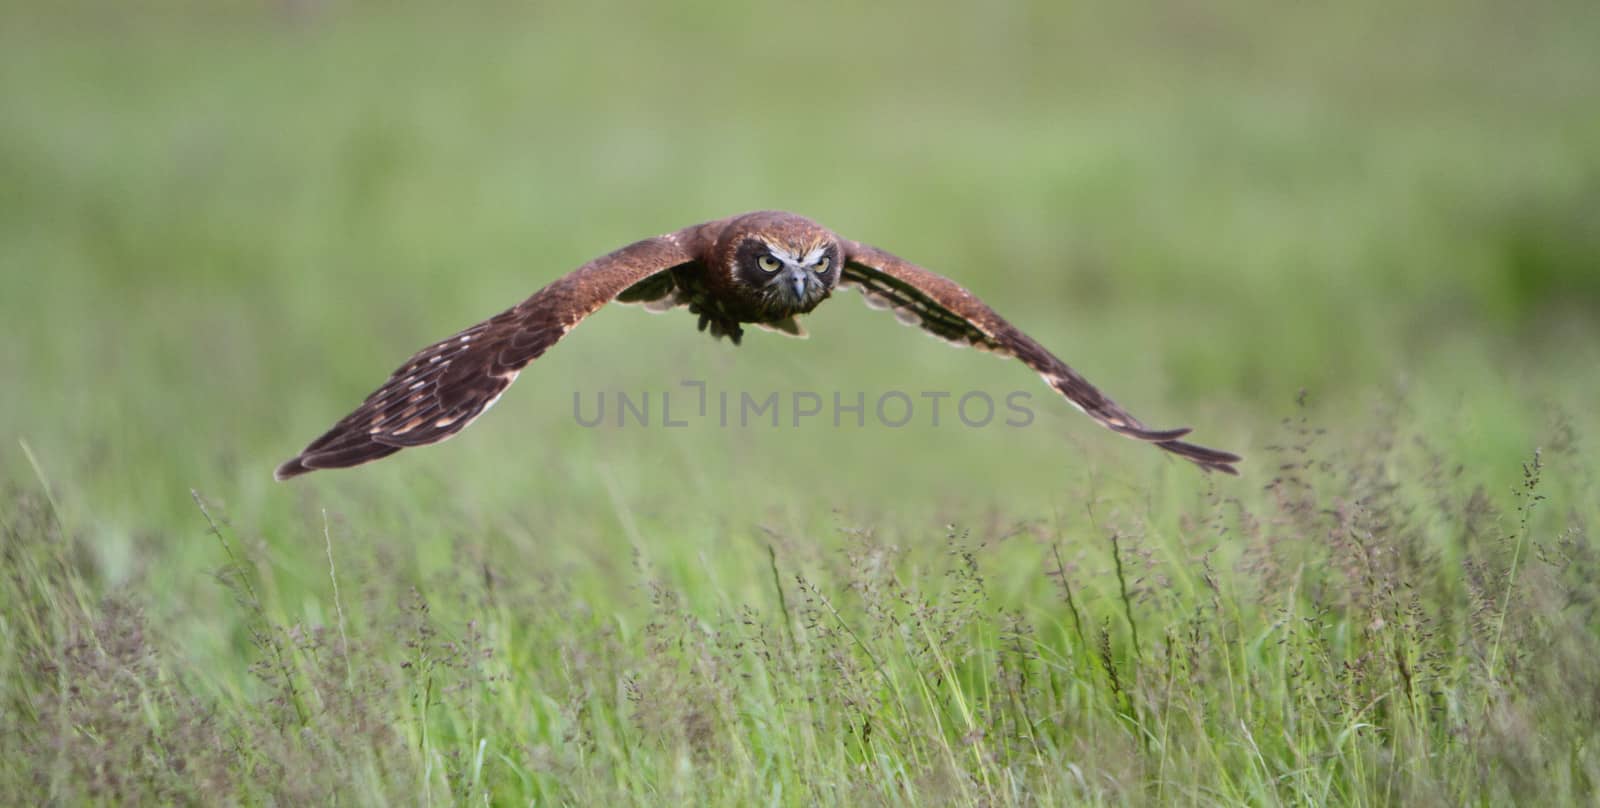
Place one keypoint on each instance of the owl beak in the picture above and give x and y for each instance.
(797, 283)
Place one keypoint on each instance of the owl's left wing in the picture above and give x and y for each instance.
(447, 385)
(947, 310)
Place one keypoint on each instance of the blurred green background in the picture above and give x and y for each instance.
(222, 224)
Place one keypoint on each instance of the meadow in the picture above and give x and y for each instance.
(1357, 244)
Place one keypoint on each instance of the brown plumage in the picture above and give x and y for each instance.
(762, 268)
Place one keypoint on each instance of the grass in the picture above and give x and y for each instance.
(1356, 247)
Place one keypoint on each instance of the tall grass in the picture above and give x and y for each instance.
(1370, 627)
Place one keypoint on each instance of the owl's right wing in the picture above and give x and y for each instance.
(447, 385)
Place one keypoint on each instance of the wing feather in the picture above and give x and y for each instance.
(447, 385)
(947, 310)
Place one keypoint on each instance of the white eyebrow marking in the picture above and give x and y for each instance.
(814, 256)
(780, 253)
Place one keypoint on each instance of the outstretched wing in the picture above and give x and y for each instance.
(945, 309)
(447, 385)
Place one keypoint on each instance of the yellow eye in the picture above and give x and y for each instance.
(768, 263)
(822, 266)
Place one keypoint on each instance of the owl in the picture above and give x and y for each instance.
(764, 269)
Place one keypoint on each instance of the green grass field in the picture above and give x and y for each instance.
(1359, 245)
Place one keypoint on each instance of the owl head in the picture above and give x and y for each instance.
(785, 263)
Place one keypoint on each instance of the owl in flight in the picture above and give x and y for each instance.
(763, 268)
